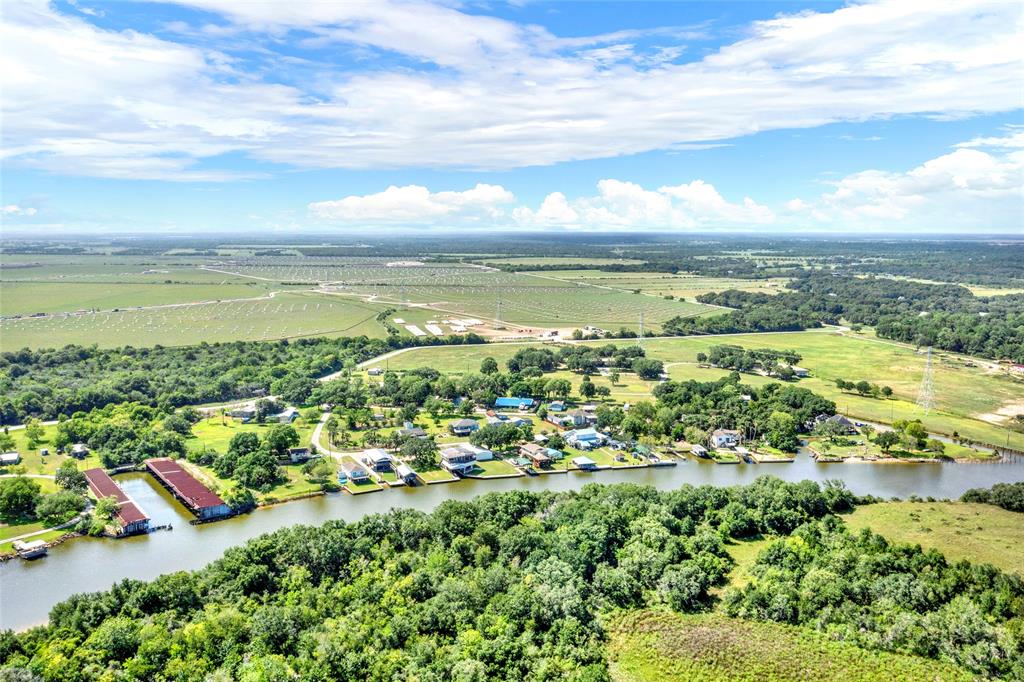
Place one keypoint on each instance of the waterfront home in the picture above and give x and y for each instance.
(378, 460)
(463, 427)
(406, 474)
(537, 454)
(584, 439)
(584, 463)
(725, 438)
(354, 471)
(458, 460)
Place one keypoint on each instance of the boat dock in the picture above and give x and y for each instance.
(199, 499)
(129, 516)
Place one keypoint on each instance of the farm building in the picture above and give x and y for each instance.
(510, 403)
(463, 427)
(9, 458)
(129, 518)
(244, 414)
(377, 459)
(725, 438)
(584, 463)
(411, 431)
(800, 371)
(296, 455)
(286, 416)
(199, 499)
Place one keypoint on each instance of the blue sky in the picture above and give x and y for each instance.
(213, 115)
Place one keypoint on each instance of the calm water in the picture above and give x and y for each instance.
(29, 589)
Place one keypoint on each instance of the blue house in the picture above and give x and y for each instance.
(509, 403)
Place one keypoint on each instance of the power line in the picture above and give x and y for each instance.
(926, 394)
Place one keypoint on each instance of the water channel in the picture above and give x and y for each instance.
(28, 589)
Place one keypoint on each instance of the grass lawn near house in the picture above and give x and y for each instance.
(766, 453)
(32, 462)
(6, 547)
(981, 533)
(496, 467)
(859, 446)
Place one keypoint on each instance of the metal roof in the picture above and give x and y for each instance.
(183, 483)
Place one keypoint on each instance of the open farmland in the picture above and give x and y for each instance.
(269, 317)
(654, 645)
(665, 283)
(963, 394)
(473, 291)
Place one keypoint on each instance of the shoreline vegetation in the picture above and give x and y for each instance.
(694, 583)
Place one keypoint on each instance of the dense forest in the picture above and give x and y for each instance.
(51, 382)
(945, 316)
(512, 586)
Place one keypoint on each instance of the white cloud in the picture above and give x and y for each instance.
(491, 93)
(414, 204)
(618, 204)
(15, 210)
(965, 188)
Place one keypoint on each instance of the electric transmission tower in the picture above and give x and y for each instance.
(926, 394)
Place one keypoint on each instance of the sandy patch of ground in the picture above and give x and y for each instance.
(1009, 410)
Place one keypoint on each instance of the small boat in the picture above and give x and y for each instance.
(30, 550)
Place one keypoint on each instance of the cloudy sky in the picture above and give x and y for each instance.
(303, 116)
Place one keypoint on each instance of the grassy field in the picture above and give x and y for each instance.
(26, 298)
(962, 393)
(212, 434)
(280, 316)
(526, 261)
(33, 462)
(979, 532)
(665, 283)
(649, 646)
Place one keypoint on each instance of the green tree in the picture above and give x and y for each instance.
(489, 366)
(422, 452)
(587, 388)
(280, 438)
(781, 432)
(33, 432)
(886, 440)
(19, 496)
(69, 477)
(56, 508)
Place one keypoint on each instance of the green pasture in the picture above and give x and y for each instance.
(664, 283)
(980, 533)
(527, 261)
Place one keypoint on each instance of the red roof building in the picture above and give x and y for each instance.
(131, 519)
(200, 500)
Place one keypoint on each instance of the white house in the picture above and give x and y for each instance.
(725, 438)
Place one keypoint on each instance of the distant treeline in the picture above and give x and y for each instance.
(50, 382)
(945, 316)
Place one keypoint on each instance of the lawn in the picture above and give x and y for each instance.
(979, 532)
(33, 462)
(496, 467)
(859, 446)
(213, 434)
(649, 646)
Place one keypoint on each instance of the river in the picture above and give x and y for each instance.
(28, 589)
